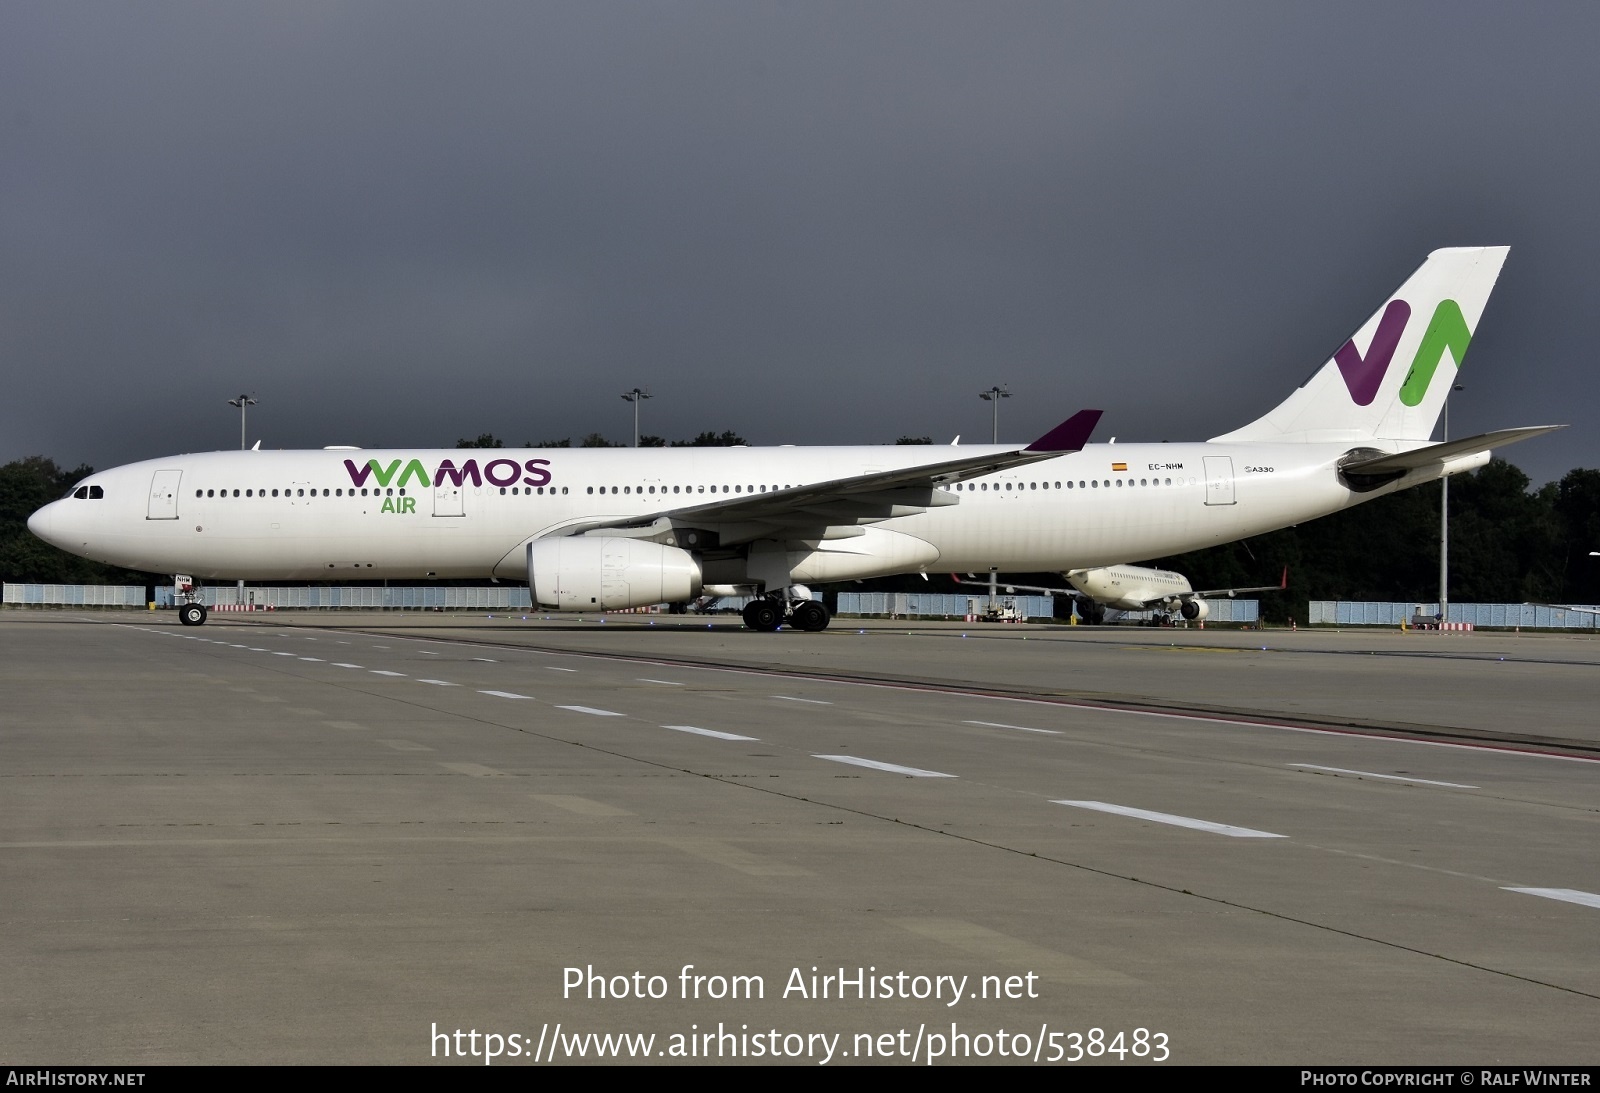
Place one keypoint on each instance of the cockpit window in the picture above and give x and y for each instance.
(81, 492)
(96, 493)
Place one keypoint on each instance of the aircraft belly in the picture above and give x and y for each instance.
(292, 544)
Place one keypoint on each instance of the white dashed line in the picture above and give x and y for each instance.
(892, 768)
(341, 664)
(1565, 895)
(438, 683)
(1385, 777)
(552, 668)
(314, 660)
(663, 682)
(811, 701)
(592, 710)
(474, 770)
(485, 660)
(381, 672)
(1175, 821)
(503, 694)
(709, 732)
(1019, 728)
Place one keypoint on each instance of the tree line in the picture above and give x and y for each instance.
(1509, 542)
(725, 439)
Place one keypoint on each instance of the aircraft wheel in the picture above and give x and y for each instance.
(762, 615)
(811, 616)
(192, 614)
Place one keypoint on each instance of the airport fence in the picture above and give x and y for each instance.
(938, 605)
(413, 598)
(275, 597)
(77, 595)
(1504, 616)
(960, 605)
(1507, 616)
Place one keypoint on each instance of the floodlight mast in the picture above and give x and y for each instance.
(636, 396)
(994, 395)
(241, 402)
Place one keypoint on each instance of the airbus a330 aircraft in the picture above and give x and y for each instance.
(612, 528)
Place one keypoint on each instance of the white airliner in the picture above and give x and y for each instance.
(610, 528)
(1136, 588)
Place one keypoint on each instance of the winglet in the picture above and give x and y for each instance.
(1070, 436)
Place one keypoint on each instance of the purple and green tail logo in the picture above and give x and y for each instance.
(1364, 375)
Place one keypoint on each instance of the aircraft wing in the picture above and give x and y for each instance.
(1012, 586)
(1231, 592)
(802, 511)
(1441, 453)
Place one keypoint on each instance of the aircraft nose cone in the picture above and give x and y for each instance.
(40, 522)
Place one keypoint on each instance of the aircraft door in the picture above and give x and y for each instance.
(164, 496)
(449, 499)
(1219, 480)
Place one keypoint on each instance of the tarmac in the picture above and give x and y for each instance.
(341, 837)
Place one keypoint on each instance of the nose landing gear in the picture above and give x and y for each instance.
(186, 591)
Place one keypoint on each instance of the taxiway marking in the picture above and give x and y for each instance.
(1175, 821)
(892, 768)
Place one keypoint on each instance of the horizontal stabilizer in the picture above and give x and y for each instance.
(1435, 454)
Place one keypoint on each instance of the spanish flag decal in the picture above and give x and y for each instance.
(1119, 466)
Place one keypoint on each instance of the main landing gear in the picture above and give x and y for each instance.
(768, 614)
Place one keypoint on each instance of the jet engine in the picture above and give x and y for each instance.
(583, 573)
(1194, 610)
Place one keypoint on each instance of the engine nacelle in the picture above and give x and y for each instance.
(584, 573)
(1194, 610)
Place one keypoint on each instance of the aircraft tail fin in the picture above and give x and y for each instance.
(1390, 379)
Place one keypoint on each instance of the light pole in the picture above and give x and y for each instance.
(241, 402)
(636, 396)
(994, 395)
(1444, 520)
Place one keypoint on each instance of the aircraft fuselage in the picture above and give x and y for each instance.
(467, 513)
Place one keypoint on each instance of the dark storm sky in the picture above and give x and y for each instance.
(398, 224)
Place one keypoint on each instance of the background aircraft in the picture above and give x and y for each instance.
(1134, 588)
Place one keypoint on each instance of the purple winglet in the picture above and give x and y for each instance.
(1070, 436)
